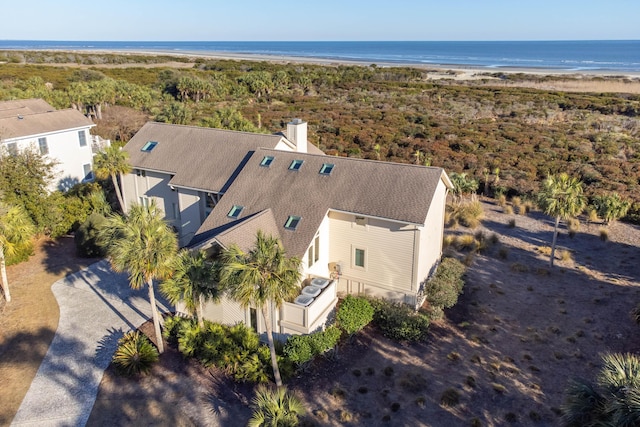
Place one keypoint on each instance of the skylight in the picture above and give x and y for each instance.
(150, 145)
(296, 165)
(326, 168)
(235, 211)
(292, 222)
(266, 161)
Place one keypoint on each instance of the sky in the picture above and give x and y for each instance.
(323, 20)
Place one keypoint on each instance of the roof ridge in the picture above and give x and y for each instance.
(215, 129)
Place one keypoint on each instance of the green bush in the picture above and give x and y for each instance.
(354, 314)
(443, 289)
(234, 349)
(135, 354)
(86, 237)
(302, 348)
(399, 321)
(21, 253)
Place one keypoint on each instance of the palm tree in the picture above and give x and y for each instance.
(110, 163)
(611, 207)
(194, 281)
(561, 197)
(143, 245)
(15, 231)
(614, 400)
(263, 275)
(276, 408)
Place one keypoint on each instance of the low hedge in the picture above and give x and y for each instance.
(399, 321)
(354, 314)
(302, 348)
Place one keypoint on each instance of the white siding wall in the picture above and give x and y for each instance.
(389, 260)
(64, 148)
(321, 267)
(430, 242)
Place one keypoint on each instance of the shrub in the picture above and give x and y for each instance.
(275, 407)
(604, 234)
(234, 349)
(354, 314)
(508, 210)
(471, 214)
(86, 237)
(443, 289)
(465, 241)
(399, 321)
(512, 223)
(135, 354)
(302, 348)
(450, 397)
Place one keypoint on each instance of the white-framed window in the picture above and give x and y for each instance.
(234, 212)
(292, 222)
(88, 173)
(176, 210)
(82, 137)
(313, 253)
(42, 144)
(144, 201)
(359, 258)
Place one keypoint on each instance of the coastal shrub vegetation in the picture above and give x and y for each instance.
(506, 139)
(398, 321)
(300, 349)
(443, 289)
(135, 354)
(354, 314)
(234, 349)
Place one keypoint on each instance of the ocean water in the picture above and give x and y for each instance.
(613, 55)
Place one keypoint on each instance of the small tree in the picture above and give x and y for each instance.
(561, 197)
(111, 163)
(611, 207)
(143, 245)
(260, 277)
(15, 229)
(194, 281)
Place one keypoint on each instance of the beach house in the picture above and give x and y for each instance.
(360, 226)
(61, 135)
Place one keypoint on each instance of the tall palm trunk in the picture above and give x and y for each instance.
(200, 310)
(3, 273)
(272, 347)
(553, 243)
(116, 186)
(155, 316)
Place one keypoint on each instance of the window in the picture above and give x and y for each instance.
(88, 173)
(150, 145)
(296, 165)
(144, 201)
(210, 203)
(326, 168)
(266, 161)
(82, 136)
(235, 211)
(314, 252)
(44, 148)
(359, 257)
(12, 148)
(292, 222)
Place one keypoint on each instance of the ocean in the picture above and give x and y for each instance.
(600, 55)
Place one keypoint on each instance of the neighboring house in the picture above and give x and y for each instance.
(359, 226)
(62, 135)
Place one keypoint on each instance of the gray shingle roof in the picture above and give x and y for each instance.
(395, 191)
(201, 158)
(27, 117)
